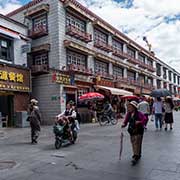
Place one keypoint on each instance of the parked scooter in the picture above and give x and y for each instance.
(65, 132)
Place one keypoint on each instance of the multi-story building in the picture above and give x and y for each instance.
(74, 51)
(14, 74)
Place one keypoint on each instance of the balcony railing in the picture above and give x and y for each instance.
(132, 59)
(104, 75)
(83, 36)
(38, 32)
(103, 46)
(80, 69)
(118, 53)
(129, 81)
(39, 69)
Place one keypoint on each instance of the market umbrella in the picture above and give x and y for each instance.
(130, 97)
(160, 93)
(91, 96)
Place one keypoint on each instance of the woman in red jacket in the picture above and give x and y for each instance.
(136, 122)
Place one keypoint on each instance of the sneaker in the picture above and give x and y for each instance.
(171, 128)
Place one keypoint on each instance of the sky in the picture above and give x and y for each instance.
(158, 20)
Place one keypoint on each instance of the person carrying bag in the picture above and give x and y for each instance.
(136, 122)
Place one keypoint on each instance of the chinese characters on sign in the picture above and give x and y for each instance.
(14, 78)
(61, 78)
(11, 76)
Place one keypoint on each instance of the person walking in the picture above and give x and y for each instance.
(144, 107)
(157, 110)
(136, 121)
(168, 107)
(35, 120)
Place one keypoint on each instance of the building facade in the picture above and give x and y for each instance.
(74, 51)
(14, 74)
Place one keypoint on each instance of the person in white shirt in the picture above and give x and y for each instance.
(144, 107)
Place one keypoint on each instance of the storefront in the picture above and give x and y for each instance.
(14, 92)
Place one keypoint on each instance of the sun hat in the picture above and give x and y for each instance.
(134, 104)
(34, 101)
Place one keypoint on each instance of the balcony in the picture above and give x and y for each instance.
(151, 68)
(39, 69)
(103, 46)
(132, 59)
(79, 69)
(104, 75)
(83, 36)
(118, 53)
(38, 32)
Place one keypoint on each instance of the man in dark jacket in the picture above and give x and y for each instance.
(35, 120)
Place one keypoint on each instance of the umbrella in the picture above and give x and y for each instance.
(91, 96)
(130, 97)
(160, 93)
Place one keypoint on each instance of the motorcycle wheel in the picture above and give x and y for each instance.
(58, 143)
(103, 121)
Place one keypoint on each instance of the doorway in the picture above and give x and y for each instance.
(6, 110)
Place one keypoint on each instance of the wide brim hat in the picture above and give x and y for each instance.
(34, 101)
(168, 97)
(134, 104)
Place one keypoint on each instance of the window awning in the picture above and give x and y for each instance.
(115, 91)
(9, 32)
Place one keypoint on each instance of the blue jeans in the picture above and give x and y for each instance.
(158, 118)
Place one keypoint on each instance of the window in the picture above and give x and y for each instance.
(101, 67)
(76, 58)
(75, 22)
(159, 84)
(40, 23)
(141, 58)
(164, 73)
(117, 71)
(150, 62)
(100, 37)
(131, 75)
(169, 74)
(41, 59)
(117, 45)
(131, 52)
(158, 66)
(174, 78)
(82, 91)
(178, 80)
(6, 49)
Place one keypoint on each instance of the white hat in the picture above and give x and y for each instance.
(134, 104)
(168, 97)
(34, 101)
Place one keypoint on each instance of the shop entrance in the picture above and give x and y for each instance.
(6, 110)
(70, 97)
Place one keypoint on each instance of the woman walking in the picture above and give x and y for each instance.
(136, 121)
(168, 107)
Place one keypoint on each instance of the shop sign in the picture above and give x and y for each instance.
(62, 78)
(14, 79)
(83, 78)
(104, 82)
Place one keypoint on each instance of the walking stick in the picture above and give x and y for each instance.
(121, 144)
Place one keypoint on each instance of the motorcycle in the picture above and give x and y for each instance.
(65, 132)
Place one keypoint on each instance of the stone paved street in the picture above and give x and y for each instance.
(94, 156)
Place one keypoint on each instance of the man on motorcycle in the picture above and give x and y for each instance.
(68, 117)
